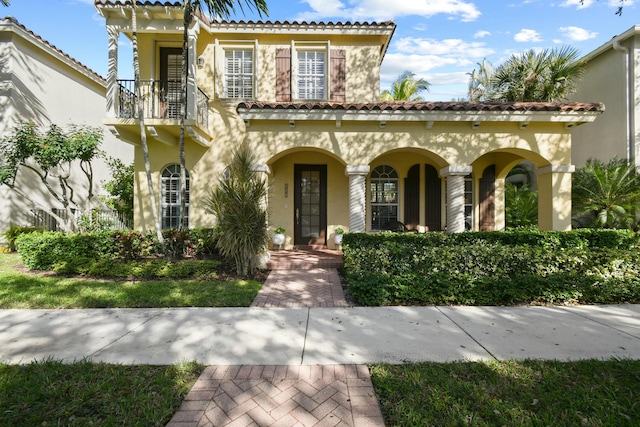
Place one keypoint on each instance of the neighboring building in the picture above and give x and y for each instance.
(39, 82)
(305, 97)
(612, 76)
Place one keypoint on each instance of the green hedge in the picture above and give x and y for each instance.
(44, 251)
(493, 268)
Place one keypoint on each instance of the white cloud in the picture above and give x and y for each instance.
(453, 48)
(480, 34)
(581, 5)
(577, 34)
(527, 35)
(382, 10)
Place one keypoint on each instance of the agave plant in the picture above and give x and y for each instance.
(237, 202)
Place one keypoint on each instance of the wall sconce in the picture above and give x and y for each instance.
(200, 61)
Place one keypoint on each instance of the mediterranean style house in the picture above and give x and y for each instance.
(612, 75)
(39, 82)
(305, 97)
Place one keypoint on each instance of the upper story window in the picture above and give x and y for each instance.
(236, 64)
(312, 74)
(238, 73)
(311, 71)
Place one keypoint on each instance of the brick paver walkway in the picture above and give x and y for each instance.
(334, 395)
(295, 395)
(318, 287)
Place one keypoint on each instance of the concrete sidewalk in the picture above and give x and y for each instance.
(326, 336)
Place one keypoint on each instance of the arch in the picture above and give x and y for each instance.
(281, 154)
(170, 196)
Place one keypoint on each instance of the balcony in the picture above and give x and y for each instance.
(161, 105)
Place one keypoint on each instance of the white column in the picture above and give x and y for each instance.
(263, 171)
(112, 73)
(192, 86)
(455, 196)
(357, 197)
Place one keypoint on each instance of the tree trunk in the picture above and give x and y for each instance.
(143, 133)
(183, 112)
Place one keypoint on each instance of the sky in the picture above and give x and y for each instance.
(438, 40)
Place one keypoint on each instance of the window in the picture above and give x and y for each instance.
(170, 194)
(311, 74)
(383, 197)
(238, 73)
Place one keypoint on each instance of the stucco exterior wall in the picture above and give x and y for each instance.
(35, 84)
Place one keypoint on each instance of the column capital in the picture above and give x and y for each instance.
(556, 169)
(357, 170)
(261, 167)
(456, 170)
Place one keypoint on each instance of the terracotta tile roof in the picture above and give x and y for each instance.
(243, 22)
(11, 19)
(430, 106)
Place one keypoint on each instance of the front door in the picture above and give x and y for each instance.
(310, 205)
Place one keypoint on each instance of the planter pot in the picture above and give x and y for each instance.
(337, 239)
(278, 239)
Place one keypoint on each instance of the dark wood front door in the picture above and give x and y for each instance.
(310, 205)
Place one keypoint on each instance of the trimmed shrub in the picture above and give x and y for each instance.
(44, 251)
(493, 268)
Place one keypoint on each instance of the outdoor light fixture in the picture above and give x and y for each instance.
(200, 61)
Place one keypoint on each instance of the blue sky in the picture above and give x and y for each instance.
(439, 40)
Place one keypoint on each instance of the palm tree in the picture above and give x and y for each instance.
(143, 133)
(223, 9)
(406, 88)
(546, 76)
(480, 82)
(606, 194)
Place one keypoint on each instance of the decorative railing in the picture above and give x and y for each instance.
(161, 99)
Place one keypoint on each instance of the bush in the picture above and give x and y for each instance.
(489, 268)
(44, 251)
(15, 230)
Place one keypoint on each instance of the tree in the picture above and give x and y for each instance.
(521, 206)
(606, 194)
(120, 188)
(406, 88)
(237, 202)
(143, 132)
(481, 82)
(224, 9)
(5, 2)
(546, 76)
(52, 156)
(618, 9)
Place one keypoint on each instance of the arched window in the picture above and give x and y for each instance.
(383, 199)
(170, 194)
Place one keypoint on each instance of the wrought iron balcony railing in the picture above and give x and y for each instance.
(161, 99)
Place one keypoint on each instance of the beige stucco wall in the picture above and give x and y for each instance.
(605, 81)
(37, 85)
(280, 144)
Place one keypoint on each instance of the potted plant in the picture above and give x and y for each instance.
(337, 236)
(278, 237)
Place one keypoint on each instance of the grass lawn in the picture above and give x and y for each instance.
(50, 393)
(29, 290)
(526, 393)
